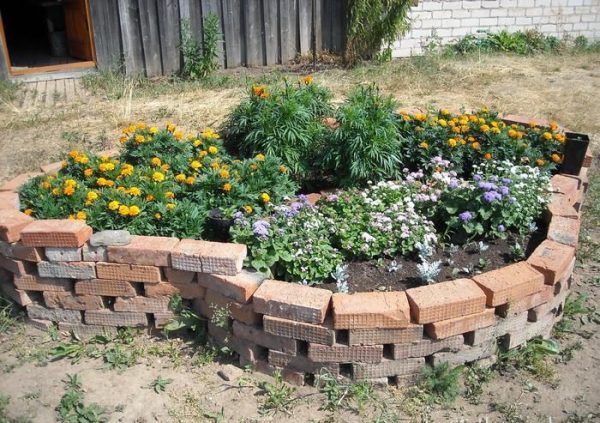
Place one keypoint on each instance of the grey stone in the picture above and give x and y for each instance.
(63, 254)
(77, 270)
(108, 238)
(53, 315)
(94, 253)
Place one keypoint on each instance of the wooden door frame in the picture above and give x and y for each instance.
(51, 68)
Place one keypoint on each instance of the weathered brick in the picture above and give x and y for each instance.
(83, 331)
(242, 312)
(113, 318)
(37, 283)
(510, 283)
(260, 337)
(179, 276)
(510, 323)
(110, 238)
(366, 310)
(526, 303)
(289, 376)
(589, 157)
(18, 296)
(20, 252)
(445, 300)
(542, 327)
(385, 335)
(145, 250)
(107, 287)
(561, 206)
(387, 368)
(69, 301)
(161, 319)
(12, 223)
(567, 186)
(90, 253)
(63, 254)
(39, 324)
(319, 334)
(240, 287)
(208, 257)
(35, 311)
(72, 270)
(142, 304)
(18, 181)
(292, 301)
(18, 267)
(301, 363)
(345, 354)
(9, 200)
(564, 230)
(550, 308)
(51, 168)
(187, 291)
(459, 325)
(552, 260)
(56, 233)
(426, 347)
(128, 272)
(465, 355)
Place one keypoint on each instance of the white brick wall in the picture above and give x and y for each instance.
(447, 20)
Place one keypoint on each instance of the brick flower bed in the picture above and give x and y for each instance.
(92, 283)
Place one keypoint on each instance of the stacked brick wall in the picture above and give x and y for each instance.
(447, 20)
(90, 284)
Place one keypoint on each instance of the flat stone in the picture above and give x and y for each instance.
(71, 270)
(109, 238)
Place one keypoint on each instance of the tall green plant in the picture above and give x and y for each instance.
(200, 59)
(372, 24)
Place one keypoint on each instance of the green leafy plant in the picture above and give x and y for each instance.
(160, 385)
(278, 395)
(340, 394)
(7, 315)
(72, 409)
(185, 319)
(200, 58)
(441, 382)
(367, 145)
(532, 357)
(474, 379)
(518, 42)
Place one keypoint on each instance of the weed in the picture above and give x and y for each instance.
(53, 332)
(199, 59)
(475, 378)
(185, 319)
(566, 354)
(441, 382)
(339, 394)
(117, 358)
(7, 315)
(72, 409)
(510, 412)
(220, 316)
(159, 384)
(532, 357)
(574, 309)
(4, 401)
(278, 395)
(216, 416)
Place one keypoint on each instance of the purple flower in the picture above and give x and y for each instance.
(494, 178)
(465, 216)
(477, 178)
(506, 181)
(504, 191)
(261, 228)
(491, 196)
(501, 228)
(303, 198)
(332, 198)
(453, 183)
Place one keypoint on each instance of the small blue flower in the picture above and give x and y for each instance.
(504, 190)
(501, 228)
(491, 196)
(465, 216)
(261, 228)
(477, 178)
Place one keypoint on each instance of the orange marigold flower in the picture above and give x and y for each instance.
(227, 187)
(157, 216)
(451, 142)
(81, 215)
(476, 146)
(487, 156)
(139, 139)
(547, 136)
(88, 172)
(424, 145)
(155, 161)
(556, 158)
(68, 191)
(190, 180)
(28, 212)
(540, 162)
(134, 211)
(307, 80)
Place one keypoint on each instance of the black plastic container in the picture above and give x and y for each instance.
(218, 225)
(575, 148)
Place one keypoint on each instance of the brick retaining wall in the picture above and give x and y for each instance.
(89, 284)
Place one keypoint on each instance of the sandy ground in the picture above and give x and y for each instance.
(564, 88)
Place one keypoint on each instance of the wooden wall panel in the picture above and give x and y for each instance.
(107, 33)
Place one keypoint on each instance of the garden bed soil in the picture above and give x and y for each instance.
(368, 276)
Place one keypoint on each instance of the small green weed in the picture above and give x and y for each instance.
(566, 353)
(341, 394)
(575, 309)
(72, 409)
(474, 379)
(441, 382)
(159, 384)
(510, 412)
(278, 396)
(200, 59)
(185, 319)
(221, 316)
(533, 357)
(118, 358)
(8, 313)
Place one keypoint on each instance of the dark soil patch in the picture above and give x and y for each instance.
(462, 261)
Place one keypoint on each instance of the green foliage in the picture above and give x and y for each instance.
(371, 24)
(185, 319)
(72, 409)
(533, 357)
(474, 379)
(366, 146)
(441, 382)
(281, 121)
(4, 418)
(339, 394)
(159, 384)
(278, 395)
(200, 59)
(7, 315)
(519, 42)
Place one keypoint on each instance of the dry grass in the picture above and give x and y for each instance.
(564, 88)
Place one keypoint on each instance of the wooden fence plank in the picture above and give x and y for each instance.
(253, 33)
(131, 36)
(150, 37)
(233, 33)
(318, 16)
(338, 26)
(271, 30)
(214, 7)
(107, 33)
(288, 29)
(3, 62)
(168, 22)
(305, 25)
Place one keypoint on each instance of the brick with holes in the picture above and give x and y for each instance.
(128, 272)
(12, 223)
(509, 283)
(56, 233)
(113, 318)
(365, 310)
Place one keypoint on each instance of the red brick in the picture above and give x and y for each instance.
(425, 347)
(142, 304)
(589, 157)
(385, 336)
(37, 283)
(18, 267)
(128, 272)
(208, 257)
(256, 335)
(289, 376)
(240, 287)
(319, 334)
(72, 302)
(566, 185)
(18, 181)
(112, 318)
(564, 230)
(12, 223)
(387, 368)
(19, 251)
(527, 302)
(459, 325)
(51, 168)
(9, 200)
(561, 206)
(465, 355)
(300, 363)
(345, 354)
(292, 301)
(179, 276)
(245, 313)
(83, 331)
(445, 300)
(18, 296)
(146, 250)
(188, 291)
(366, 310)
(523, 120)
(56, 233)
(107, 287)
(552, 260)
(510, 283)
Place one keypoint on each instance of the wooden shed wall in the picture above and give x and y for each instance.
(144, 35)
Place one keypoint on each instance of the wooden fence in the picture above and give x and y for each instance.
(144, 35)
